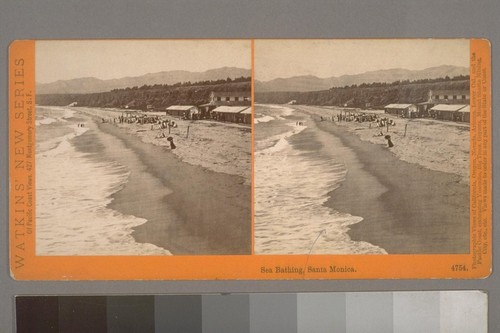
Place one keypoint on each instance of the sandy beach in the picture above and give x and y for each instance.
(434, 144)
(193, 200)
(407, 208)
(220, 147)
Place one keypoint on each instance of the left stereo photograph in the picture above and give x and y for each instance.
(143, 147)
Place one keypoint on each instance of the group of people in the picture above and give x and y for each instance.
(135, 119)
(382, 122)
(363, 117)
(153, 120)
(369, 117)
(167, 123)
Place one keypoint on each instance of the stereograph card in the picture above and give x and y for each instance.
(254, 159)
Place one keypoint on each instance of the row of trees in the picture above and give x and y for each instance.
(186, 84)
(144, 97)
(403, 82)
(372, 95)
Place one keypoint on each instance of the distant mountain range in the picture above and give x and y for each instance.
(313, 83)
(93, 85)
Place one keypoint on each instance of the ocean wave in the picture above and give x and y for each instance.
(278, 142)
(60, 145)
(291, 187)
(283, 111)
(73, 192)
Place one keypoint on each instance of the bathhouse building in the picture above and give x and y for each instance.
(464, 114)
(230, 98)
(235, 114)
(182, 111)
(403, 110)
(448, 112)
(449, 97)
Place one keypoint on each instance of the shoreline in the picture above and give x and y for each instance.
(433, 144)
(217, 146)
(189, 209)
(406, 204)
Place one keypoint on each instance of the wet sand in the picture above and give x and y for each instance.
(189, 210)
(406, 208)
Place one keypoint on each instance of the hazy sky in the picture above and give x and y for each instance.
(109, 59)
(326, 58)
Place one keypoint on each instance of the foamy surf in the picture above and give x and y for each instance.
(45, 121)
(73, 192)
(291, 187)
(278, 142)
(263, 119)
(279, 111)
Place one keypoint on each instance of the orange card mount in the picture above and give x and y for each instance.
(250, 159)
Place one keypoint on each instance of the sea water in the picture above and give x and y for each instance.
(291, 187)
(73, 190)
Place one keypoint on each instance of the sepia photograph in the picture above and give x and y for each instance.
(254, 159)
(362, 146)
(143, 147)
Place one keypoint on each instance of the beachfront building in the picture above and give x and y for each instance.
(183, 111)
(247, 115)
(448, 112)
(235, 114)
(206, 110)
(464, 114)
(423, 109)
(449, 97)
(403, 110)
(230, 98)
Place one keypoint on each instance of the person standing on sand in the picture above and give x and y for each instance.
(172, 144)
(389, 142)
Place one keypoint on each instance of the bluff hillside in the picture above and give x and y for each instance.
(374, 95)
(158, 96)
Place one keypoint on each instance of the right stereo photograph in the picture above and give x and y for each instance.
(364, 147)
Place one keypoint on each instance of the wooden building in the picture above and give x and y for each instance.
(423, 109)
(231, 98)
(449, 97)
(403, 110)
(232, 114)
(446, 111)
(182, 111)
(464, 114)
(247, 115)
(206, 110)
